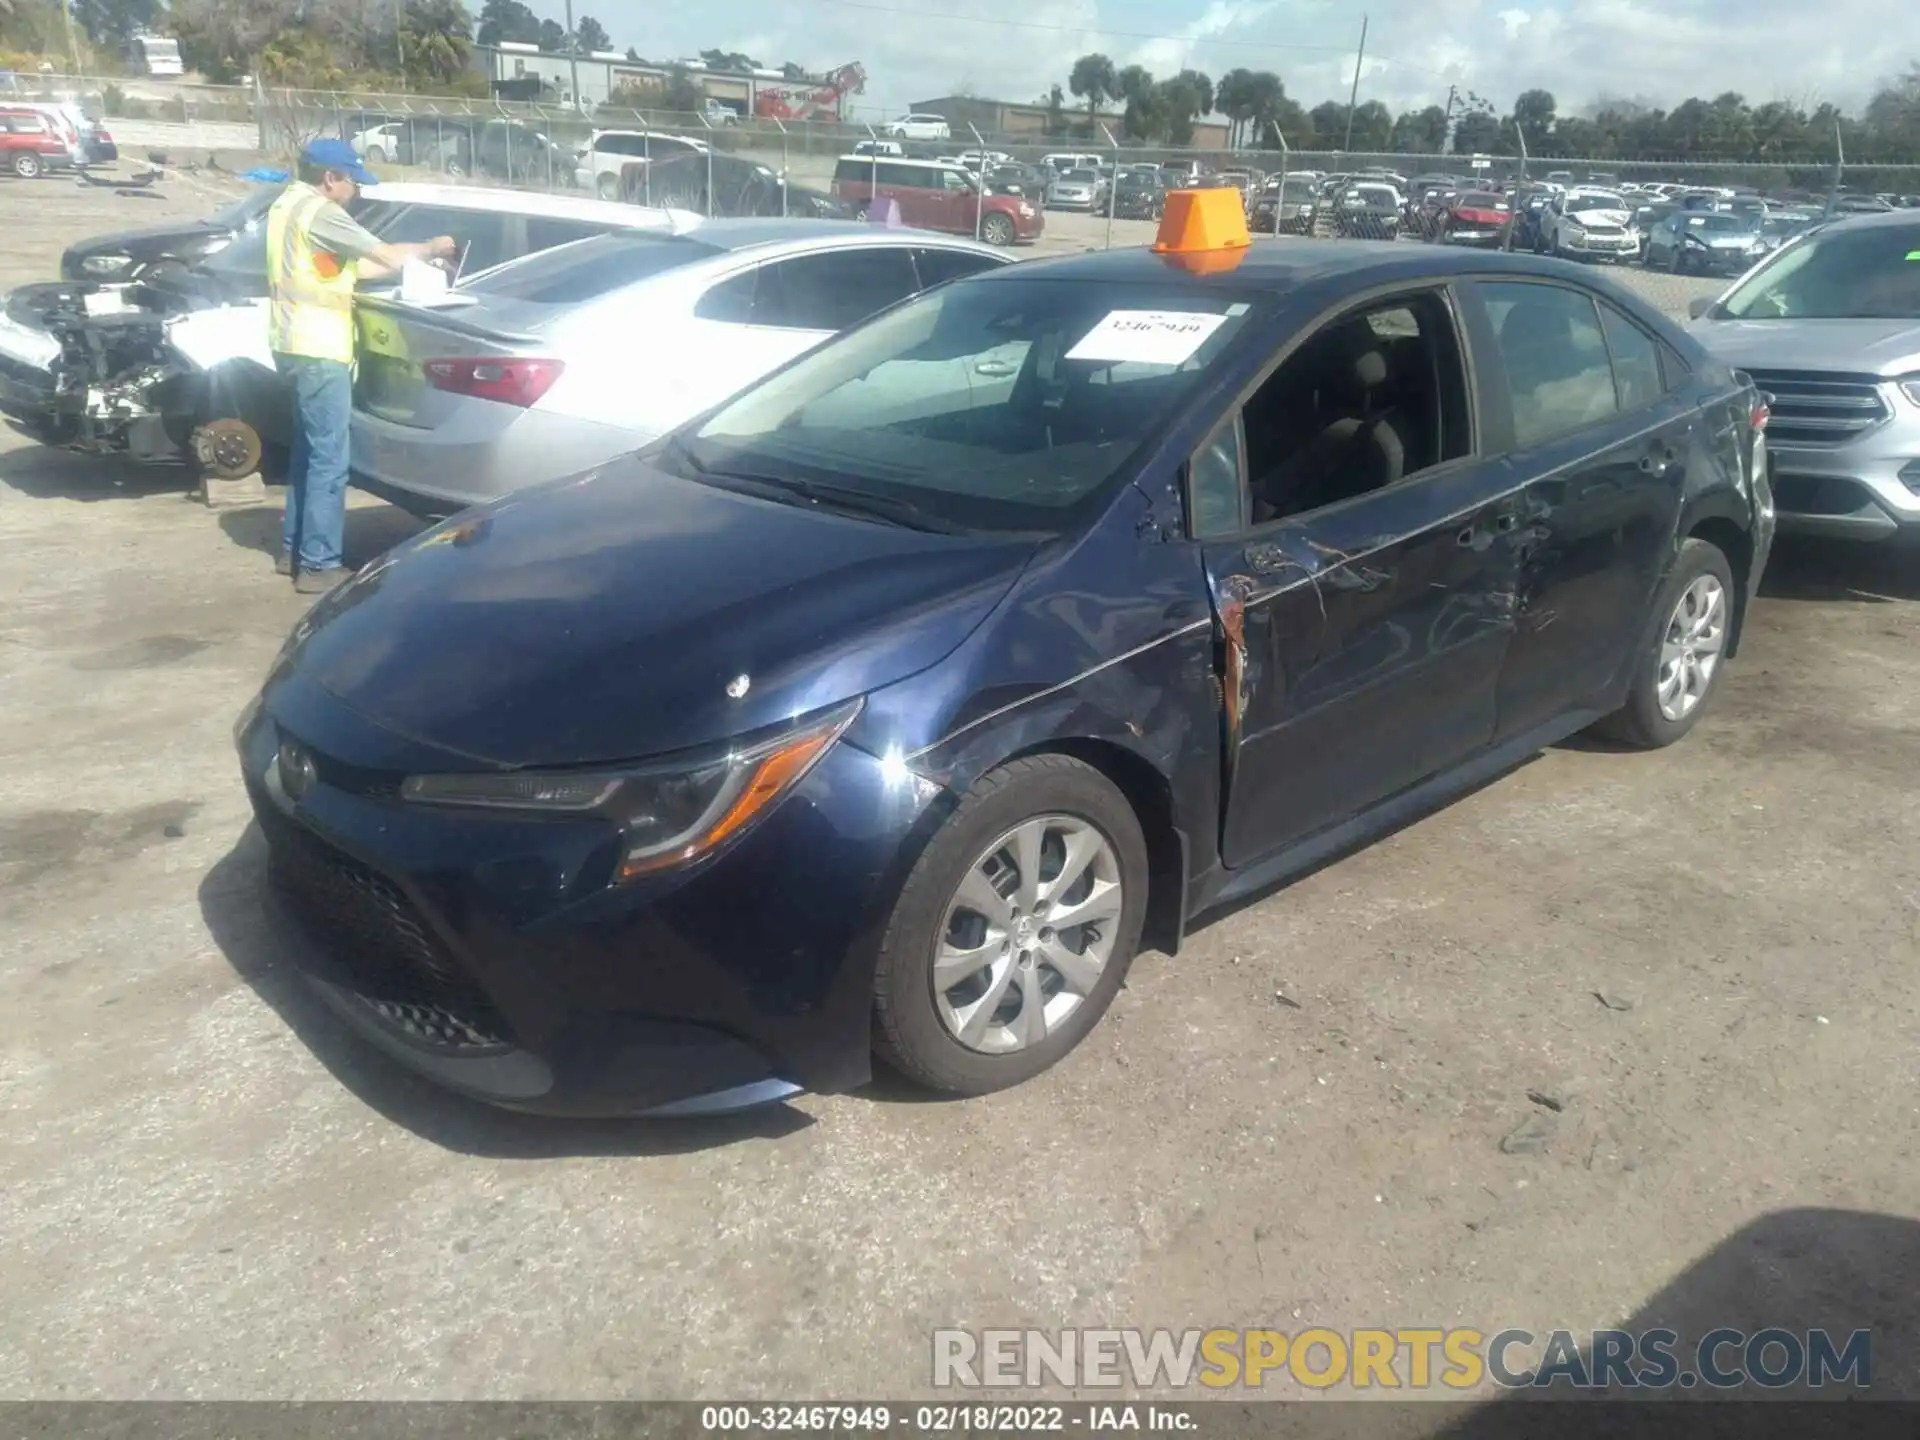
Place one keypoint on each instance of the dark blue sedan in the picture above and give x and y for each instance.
(891, 708)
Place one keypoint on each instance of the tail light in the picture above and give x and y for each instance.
(511, 380)
(1762, 412)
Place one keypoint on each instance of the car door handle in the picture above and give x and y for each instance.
(1478, 537)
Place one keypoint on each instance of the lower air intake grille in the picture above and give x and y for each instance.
(381, 944)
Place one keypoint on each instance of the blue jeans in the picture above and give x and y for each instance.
(316, 515)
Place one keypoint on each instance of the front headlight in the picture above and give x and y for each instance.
(1910, 387)
(669, 814)
(105, 264)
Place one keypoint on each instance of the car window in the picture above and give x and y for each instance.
(978, 403)
(828, 291)
(1845, 273)
(588, 268)
(936, 267)
(481, 235)
(1637, 379)
(1375, 397)
(1555, 354)
(1215, 488)
(544, 232)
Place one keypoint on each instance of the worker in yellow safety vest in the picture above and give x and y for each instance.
(316, 252)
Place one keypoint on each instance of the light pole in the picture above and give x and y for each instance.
(1353, 96)
(573, 56)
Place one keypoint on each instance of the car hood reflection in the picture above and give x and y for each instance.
(613, 616)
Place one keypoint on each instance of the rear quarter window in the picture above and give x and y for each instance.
(588, 269)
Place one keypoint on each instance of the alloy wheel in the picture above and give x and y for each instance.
(1690, 647)
(1027, 934)
(26, 165)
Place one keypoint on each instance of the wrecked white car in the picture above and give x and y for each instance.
(173, 363)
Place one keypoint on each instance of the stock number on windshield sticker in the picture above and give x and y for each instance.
(1147, 337)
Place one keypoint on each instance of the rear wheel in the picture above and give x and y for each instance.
(27, 165)
(1679, 658)
(997, 230)
(1014, 931)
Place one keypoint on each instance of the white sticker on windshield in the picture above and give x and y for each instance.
(1147, 337)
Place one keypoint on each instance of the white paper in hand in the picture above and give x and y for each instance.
(1147, 337)
(421, 283)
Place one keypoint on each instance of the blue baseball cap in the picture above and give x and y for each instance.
(338, 155)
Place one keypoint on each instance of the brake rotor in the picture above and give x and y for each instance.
(227, 449)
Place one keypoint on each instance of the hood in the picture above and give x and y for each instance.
(606, 617)
(1851, 347)
(153, 242)
(1608, 216)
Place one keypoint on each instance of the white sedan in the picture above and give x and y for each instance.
(549, 366)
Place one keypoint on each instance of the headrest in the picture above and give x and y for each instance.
(1532, 324)
(1370, 369)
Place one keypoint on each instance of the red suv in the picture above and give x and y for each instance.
(934, 195)
(30, 145)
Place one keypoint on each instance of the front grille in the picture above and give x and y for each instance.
(382, 946)
(1818, 410)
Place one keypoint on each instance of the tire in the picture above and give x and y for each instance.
(914, 1028)
(997, 230)
(609, 187)
(27, 165)
(1643, 722)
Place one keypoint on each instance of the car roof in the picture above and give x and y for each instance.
(914, 160)
(530, 202)
(1291, 266)
(751, 232)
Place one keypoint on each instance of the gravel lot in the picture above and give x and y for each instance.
(208, 1192)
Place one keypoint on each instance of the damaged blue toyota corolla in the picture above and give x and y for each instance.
(891, 707)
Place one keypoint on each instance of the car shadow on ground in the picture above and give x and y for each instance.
(1873, 573)
(45, 472)
(258, 940)
(1838, 1271)
(371, 530)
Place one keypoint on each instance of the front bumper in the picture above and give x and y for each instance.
(1865, 491)
(487, 953)
(1708, 261)
(1478, 236)
(1600, 247)
(1069, 202)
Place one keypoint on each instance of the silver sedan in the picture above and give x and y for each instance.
(551, 365)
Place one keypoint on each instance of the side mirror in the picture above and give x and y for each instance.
(1699, 306)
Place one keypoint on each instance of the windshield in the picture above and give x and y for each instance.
(1719, 223)
(989, 404)
(1593, 201)
(1478, 200)
(1786, 224)
(1078, 177)
(1866, 273)
(1297, 189)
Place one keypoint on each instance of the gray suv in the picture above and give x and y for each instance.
(1830, 327)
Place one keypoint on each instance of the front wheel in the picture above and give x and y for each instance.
(1014, 931)
(27, 165)
(1679, 658)
(997, 230)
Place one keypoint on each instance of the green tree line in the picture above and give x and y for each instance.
(1261, 115)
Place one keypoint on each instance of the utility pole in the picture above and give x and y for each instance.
(573, 55)
(1353, 96)
(1446, 127)
(73, 44)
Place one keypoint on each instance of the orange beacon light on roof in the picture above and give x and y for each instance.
(1203, 230)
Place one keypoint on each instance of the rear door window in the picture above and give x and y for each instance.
(1636, 361)
(833, 290)
(1555, 354)
(939, 266)
(588, 270)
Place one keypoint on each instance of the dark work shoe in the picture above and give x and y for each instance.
(283, 563)
(318, 582)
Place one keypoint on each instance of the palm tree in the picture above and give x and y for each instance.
(1264, 96)
(1233, 98)
(1093, 77)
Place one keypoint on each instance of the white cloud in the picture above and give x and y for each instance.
(1662, 50)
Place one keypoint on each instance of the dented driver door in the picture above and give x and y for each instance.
(1360, 649)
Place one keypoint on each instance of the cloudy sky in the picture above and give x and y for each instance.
(1655, 50)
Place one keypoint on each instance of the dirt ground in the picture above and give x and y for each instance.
(1702, 963)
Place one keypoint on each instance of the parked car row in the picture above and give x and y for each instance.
(860, 646)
